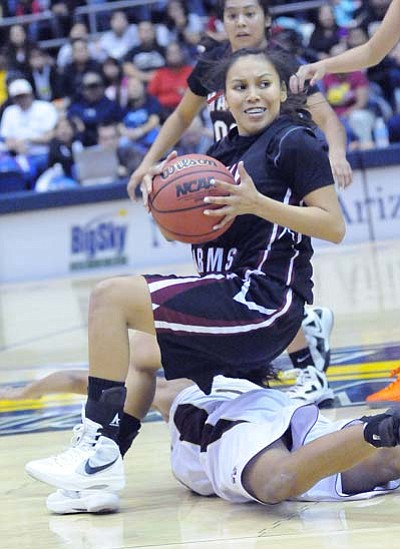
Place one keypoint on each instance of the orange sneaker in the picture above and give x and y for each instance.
(388, 394)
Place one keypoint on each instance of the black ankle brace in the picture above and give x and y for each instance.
(107, 411)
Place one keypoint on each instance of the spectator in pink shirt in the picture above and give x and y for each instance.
(348, 95)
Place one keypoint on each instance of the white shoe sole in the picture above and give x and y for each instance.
(98, 502)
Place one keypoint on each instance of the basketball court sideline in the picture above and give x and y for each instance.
(43, 329)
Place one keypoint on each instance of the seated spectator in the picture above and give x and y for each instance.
(108, 137)
(348, 94)
(101, 163)
(81, 63)
(78, 31)
(93, 108)
(17, 48)
(43, 76)
(121, 38)
(372, 14)
(66, 138)
(115, 81)
(60, 166)
(170, 82)
(379, 74)
(27, 126)
(326, 34)
(196, 139)
(140, 124)
(63, 11)
(143, 60)
(180, 26)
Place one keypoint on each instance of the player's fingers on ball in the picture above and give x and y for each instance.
(145, 194)
(216, 212)
(171, 156)
(215, 199)
(224, 221)
(241, 167)
(221, 185)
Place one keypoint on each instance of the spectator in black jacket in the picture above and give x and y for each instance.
(17, 48)
(82, 63)
(326, 33)
(43, 75)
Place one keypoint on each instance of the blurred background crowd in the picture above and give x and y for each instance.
(86, 78)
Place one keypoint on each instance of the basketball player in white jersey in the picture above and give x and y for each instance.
(244, 443)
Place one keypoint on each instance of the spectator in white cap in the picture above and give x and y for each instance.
(27, 126)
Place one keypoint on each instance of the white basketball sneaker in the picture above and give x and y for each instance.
(63, 502)
(93, 462)
(311, 386)
(317, 326)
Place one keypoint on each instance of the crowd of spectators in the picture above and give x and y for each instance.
(126, 79)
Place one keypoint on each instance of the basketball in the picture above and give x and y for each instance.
(177, 198)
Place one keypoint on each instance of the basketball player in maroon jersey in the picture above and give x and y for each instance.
(247, 23)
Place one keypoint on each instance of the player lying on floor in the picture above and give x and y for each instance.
(245, 443)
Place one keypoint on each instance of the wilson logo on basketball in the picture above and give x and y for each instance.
(186, 163)
(177, 202)
(203, 183)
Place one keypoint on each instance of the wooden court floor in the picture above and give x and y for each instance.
(43, 329)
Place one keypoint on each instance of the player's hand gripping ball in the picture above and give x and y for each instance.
(177, 198)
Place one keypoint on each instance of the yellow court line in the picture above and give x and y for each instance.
(342, 372)
(348, 372)
(384, 366)
(39, 403)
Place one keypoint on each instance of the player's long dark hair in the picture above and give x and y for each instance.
(295, 104)
(260, 376)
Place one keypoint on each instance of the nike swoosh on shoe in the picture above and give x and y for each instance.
(92, 470)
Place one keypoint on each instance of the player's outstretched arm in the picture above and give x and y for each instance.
(70, 381)
(366, 55)
(170, 133)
